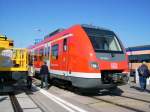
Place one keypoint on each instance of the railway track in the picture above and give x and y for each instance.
(120, 105)
(134, 102)
(124, 101)
(15, 103)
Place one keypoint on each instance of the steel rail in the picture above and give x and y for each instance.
(15, 103)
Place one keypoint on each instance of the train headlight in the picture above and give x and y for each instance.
(94, 65)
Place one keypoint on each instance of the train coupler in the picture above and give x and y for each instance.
(120, 78)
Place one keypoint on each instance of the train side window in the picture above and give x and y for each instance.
(55, 51)
(65, 45)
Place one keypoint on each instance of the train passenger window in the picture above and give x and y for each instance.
(55, 51)
(139, 58)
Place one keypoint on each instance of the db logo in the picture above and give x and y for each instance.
(114, 65)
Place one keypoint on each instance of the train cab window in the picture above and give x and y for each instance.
(11, 44)
(55, 51)
(65, 45)
(103, 40)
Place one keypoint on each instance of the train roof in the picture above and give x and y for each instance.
(54, 32)
(138, 48)
(82, 25)
(86, 27)
(94, 27)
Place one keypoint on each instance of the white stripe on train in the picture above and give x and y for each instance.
(60, 38)
(74, 74)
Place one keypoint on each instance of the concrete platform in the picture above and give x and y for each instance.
(135, 88)
(27, 104)
(5, 104)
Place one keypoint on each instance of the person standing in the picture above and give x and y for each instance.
(143, 75)
(30, 75)
(44, 75)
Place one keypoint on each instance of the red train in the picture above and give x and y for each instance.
(87, 56)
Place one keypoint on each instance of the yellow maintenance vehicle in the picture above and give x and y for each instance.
(13, 63)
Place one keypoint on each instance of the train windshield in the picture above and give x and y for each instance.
(103, 40)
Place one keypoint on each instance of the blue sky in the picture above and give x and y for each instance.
(20, 19)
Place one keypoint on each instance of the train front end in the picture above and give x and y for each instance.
(111, 59)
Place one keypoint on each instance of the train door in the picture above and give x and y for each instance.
(47, 54)
(65, 57)
(55, 56)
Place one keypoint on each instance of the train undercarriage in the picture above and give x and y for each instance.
(9, 81)
(114, 77)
